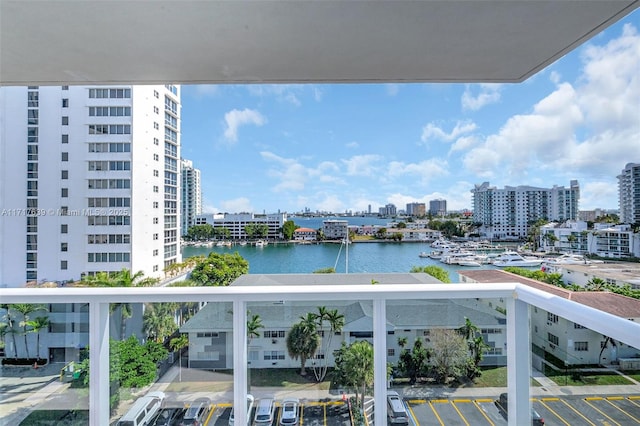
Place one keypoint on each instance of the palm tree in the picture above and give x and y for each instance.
(596, 284)
(37, 325)
(336, 323)
(468, 330)
(10, 325)
(303, 342)
(177, 343)
(158, 320)
(254, 324)
(25, 309)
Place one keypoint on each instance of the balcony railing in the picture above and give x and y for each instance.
(517, 298)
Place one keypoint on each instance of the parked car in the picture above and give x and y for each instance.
(197, 412)
(143, 410)
(264, 412)
(396, 411)
(170, 416)
(503, 402)
(249, 408)
(290, 412)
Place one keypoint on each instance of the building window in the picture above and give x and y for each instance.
(156, 173)
(65, 138)
(273, 355)
(156, 141)
(552, 318)
(65, 87)
(64, 193)
(64, 246)
(273, 334)
(155, 252)
(65, 120)
(553, 339)
(64, 174)
(32, 117)
(65, 103)
(581, 346)
(65, 156)
(155, 188)
(64, 229)
(577, 326)
(155, 268)
(156, 157)
(391, 352)
(155, 236)
(63, 265)
(155, 220)
(155, 204)
(32, 135)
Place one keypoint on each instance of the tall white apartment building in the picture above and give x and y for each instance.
(191, 199)
(629, 193)
(88, 181)
(508, 213)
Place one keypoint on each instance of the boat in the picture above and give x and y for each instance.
(570, 259)
(512, 258)
(261, 243)
(424, 254)
(469, 262)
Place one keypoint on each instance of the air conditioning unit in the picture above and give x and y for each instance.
(274, 341)
(552, 346)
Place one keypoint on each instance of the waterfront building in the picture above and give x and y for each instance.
(568, 341)
(335, 229)
(571, 236)
(191, 195)
(508, 213)
(617, 241)
(438, 207)
(73, 204)
(305, 234)
(629, 193)
(388, 210)
(236, 223)
(416, 209)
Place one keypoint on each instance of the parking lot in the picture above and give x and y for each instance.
(567, 411)
(333, 413)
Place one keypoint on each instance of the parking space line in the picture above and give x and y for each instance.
(578, 412)
(615, 398)
(632, 401)
(324, 411)
(302, 414)
(482, 411)
(436, 413)
(484, 400)
(586, 400)
(624, 412)
(417, 401)
(212, 409)
(549, 399)
(554, 413)
(460, 413)
(594, 398)
(634, 397)
(413, 415)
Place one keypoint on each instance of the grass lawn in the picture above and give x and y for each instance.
(56, 417)
(634, 374)
(495, 377)
(585, 379)
(286, 378)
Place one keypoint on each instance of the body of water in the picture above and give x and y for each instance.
(290, 258)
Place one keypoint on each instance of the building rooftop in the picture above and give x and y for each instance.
(333, 279)
(628, 272)
(615, 304)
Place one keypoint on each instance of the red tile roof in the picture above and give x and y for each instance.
(615, 304)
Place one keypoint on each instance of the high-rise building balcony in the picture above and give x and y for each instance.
(220, 350)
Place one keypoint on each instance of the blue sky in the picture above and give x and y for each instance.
(264, 148)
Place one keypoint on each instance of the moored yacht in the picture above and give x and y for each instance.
(512, 258)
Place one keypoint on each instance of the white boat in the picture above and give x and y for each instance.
(570, 259)
(454, 257)
(470, 262)
(261, 243)
(512, 258)
(424, 254)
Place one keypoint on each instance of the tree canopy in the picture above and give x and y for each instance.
(288, 229)
(435, 271)
(219, 269)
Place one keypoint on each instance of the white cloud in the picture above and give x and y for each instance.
(598, 194)
(589, 128)
(362, 165)
(353, 145)
(464, 143)
(330, 203)
(237, 205)
(426, 170)
(489, 93)
(431, 131)
(236, 118)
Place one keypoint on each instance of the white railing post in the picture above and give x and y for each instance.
(518, 362)
(380, 361)
(99, 363)
(240, 362)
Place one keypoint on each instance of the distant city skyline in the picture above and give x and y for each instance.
(269, 148)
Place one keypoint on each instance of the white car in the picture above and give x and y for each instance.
(290, 412)
(249, 408)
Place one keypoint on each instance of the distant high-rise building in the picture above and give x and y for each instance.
(629, 193)
(191, 201)
(388, 210)
(508, 212)
(438, 207)
(416, 209)
(90, 182)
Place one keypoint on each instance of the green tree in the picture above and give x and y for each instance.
(335, 322)
(177, 344)
(329, 270)
(596, 284)
(200, 232)
(401, 225)
(25, 309)
(288, 229)
(219, 269)
(435, 271)
(254, 324)
(449, 354)
(37, 325)
(158, 320)
(381, 233)
(412, 363)
(354, 368)
(10, 321)
(303, 341)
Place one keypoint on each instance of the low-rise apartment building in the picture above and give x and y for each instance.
(236, 223)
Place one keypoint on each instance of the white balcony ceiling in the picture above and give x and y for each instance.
(76, 42)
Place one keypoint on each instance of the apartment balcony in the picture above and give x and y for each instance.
(506, 314)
